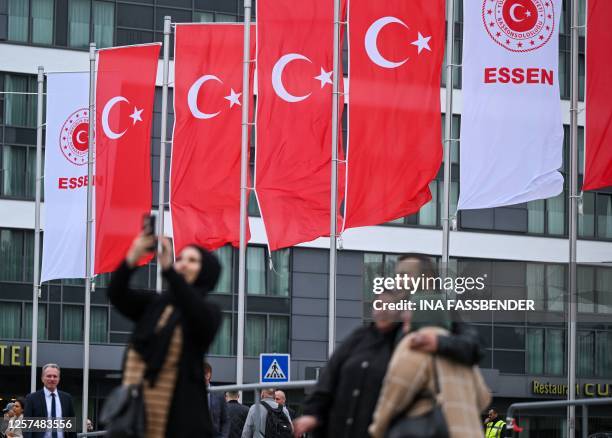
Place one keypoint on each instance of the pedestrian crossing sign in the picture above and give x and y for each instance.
(274, 367)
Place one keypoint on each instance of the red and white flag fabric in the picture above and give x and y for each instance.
(598, 163)
(205, 173)
(294, 110)
(125, 90)
(394, 142)
(65, 181)
(511, 127)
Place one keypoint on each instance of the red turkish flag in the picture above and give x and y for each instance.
(294, 111)
(205, 176)
(125, 89)
(395, 149)
(598, 164)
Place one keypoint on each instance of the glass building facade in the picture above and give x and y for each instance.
(287, 306)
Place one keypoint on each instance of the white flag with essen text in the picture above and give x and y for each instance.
(511, 126)
(65, 176)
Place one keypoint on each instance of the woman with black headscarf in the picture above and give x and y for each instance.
(172, 333)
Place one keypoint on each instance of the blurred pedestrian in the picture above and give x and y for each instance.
(344, 399)
(90, 427)
(237, 413)
(494, 426)
(268, 418)
(281, 399)
(416, 383)
(18, 410)
(172, 333)
(217, 407)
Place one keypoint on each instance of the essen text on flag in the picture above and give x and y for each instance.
(511, 127)
(65, 182)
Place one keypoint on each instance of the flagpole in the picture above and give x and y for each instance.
(244, 145)
(162, 150)
(88, 232)
(573, 219)
(448, 125)
(36, 279)
(333, 254)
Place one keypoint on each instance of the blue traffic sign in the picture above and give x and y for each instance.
(274, 368)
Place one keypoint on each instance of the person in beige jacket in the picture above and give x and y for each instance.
(463, 393)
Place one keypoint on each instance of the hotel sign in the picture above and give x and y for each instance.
(15, 355)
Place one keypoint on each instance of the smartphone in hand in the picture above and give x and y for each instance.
(148, 228)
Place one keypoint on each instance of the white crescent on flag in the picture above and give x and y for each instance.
(105, 113)
(277, 77)
(371, 42)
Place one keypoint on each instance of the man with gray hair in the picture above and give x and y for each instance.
(50, 403)
(266, 415)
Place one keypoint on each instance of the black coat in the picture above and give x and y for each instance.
(346, 394)
(237, 416)
(218, 415)
(36, 406)
(189, 414)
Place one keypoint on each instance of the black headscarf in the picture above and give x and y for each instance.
(152, 344)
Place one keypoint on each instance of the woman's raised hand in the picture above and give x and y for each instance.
(141, 246)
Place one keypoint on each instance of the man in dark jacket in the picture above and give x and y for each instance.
(237, 413)
(50, 403)
(217, 407)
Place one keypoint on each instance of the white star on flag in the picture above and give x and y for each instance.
(233, 98)
(422, 43)
(136, 116)
(324, 77)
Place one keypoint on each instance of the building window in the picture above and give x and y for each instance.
(42, 21)
(20, 109)
(224, 285)
(545, 354)
(555, 354)
(27, 322)
(546, 286)
(78, 23)
(263, 281)
(603, 280)
(585, 349)
(376, 265)
(103, 23)
(585, 283)
(20, 16)
(18, 13)
(17, 255)
(535, 351)
(266, 334)
(603, 366)
(255, 335)
(98, 324)
(72, 323)
(604, 216)
(10, 320)
(586, 220)
(547, 216)
(207, 17)
(222, 344)
(18, 176)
